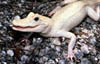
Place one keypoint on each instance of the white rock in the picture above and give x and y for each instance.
(10, 52)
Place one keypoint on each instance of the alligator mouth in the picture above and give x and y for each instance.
(15, 26)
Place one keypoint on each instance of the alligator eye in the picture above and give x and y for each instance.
(36, 18)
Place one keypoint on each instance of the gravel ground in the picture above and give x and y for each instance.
(14, 49)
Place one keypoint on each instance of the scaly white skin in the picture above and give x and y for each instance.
(60, 24)
(72, 17)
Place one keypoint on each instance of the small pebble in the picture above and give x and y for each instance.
(39, 40)
(4, 2)
(58, 48)
(78, 53)
(93, 40)
(96, 59)
(93, 50)
(24, 58)
(55, 41)
(3, 53)
(17, 17)
(22, 1)
(85, 61)
(98, 56)
(42, 52)
(84, 36)
(61, 62)
(45, 58)
(85, 31)
(51, 62)
(41, 61)
(84, 49)
(29, 48)
(52, 46)
(10, 52)
(4, 62)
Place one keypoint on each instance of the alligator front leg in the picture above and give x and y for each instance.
(94, 14)
(60, 5)
(71, 43)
